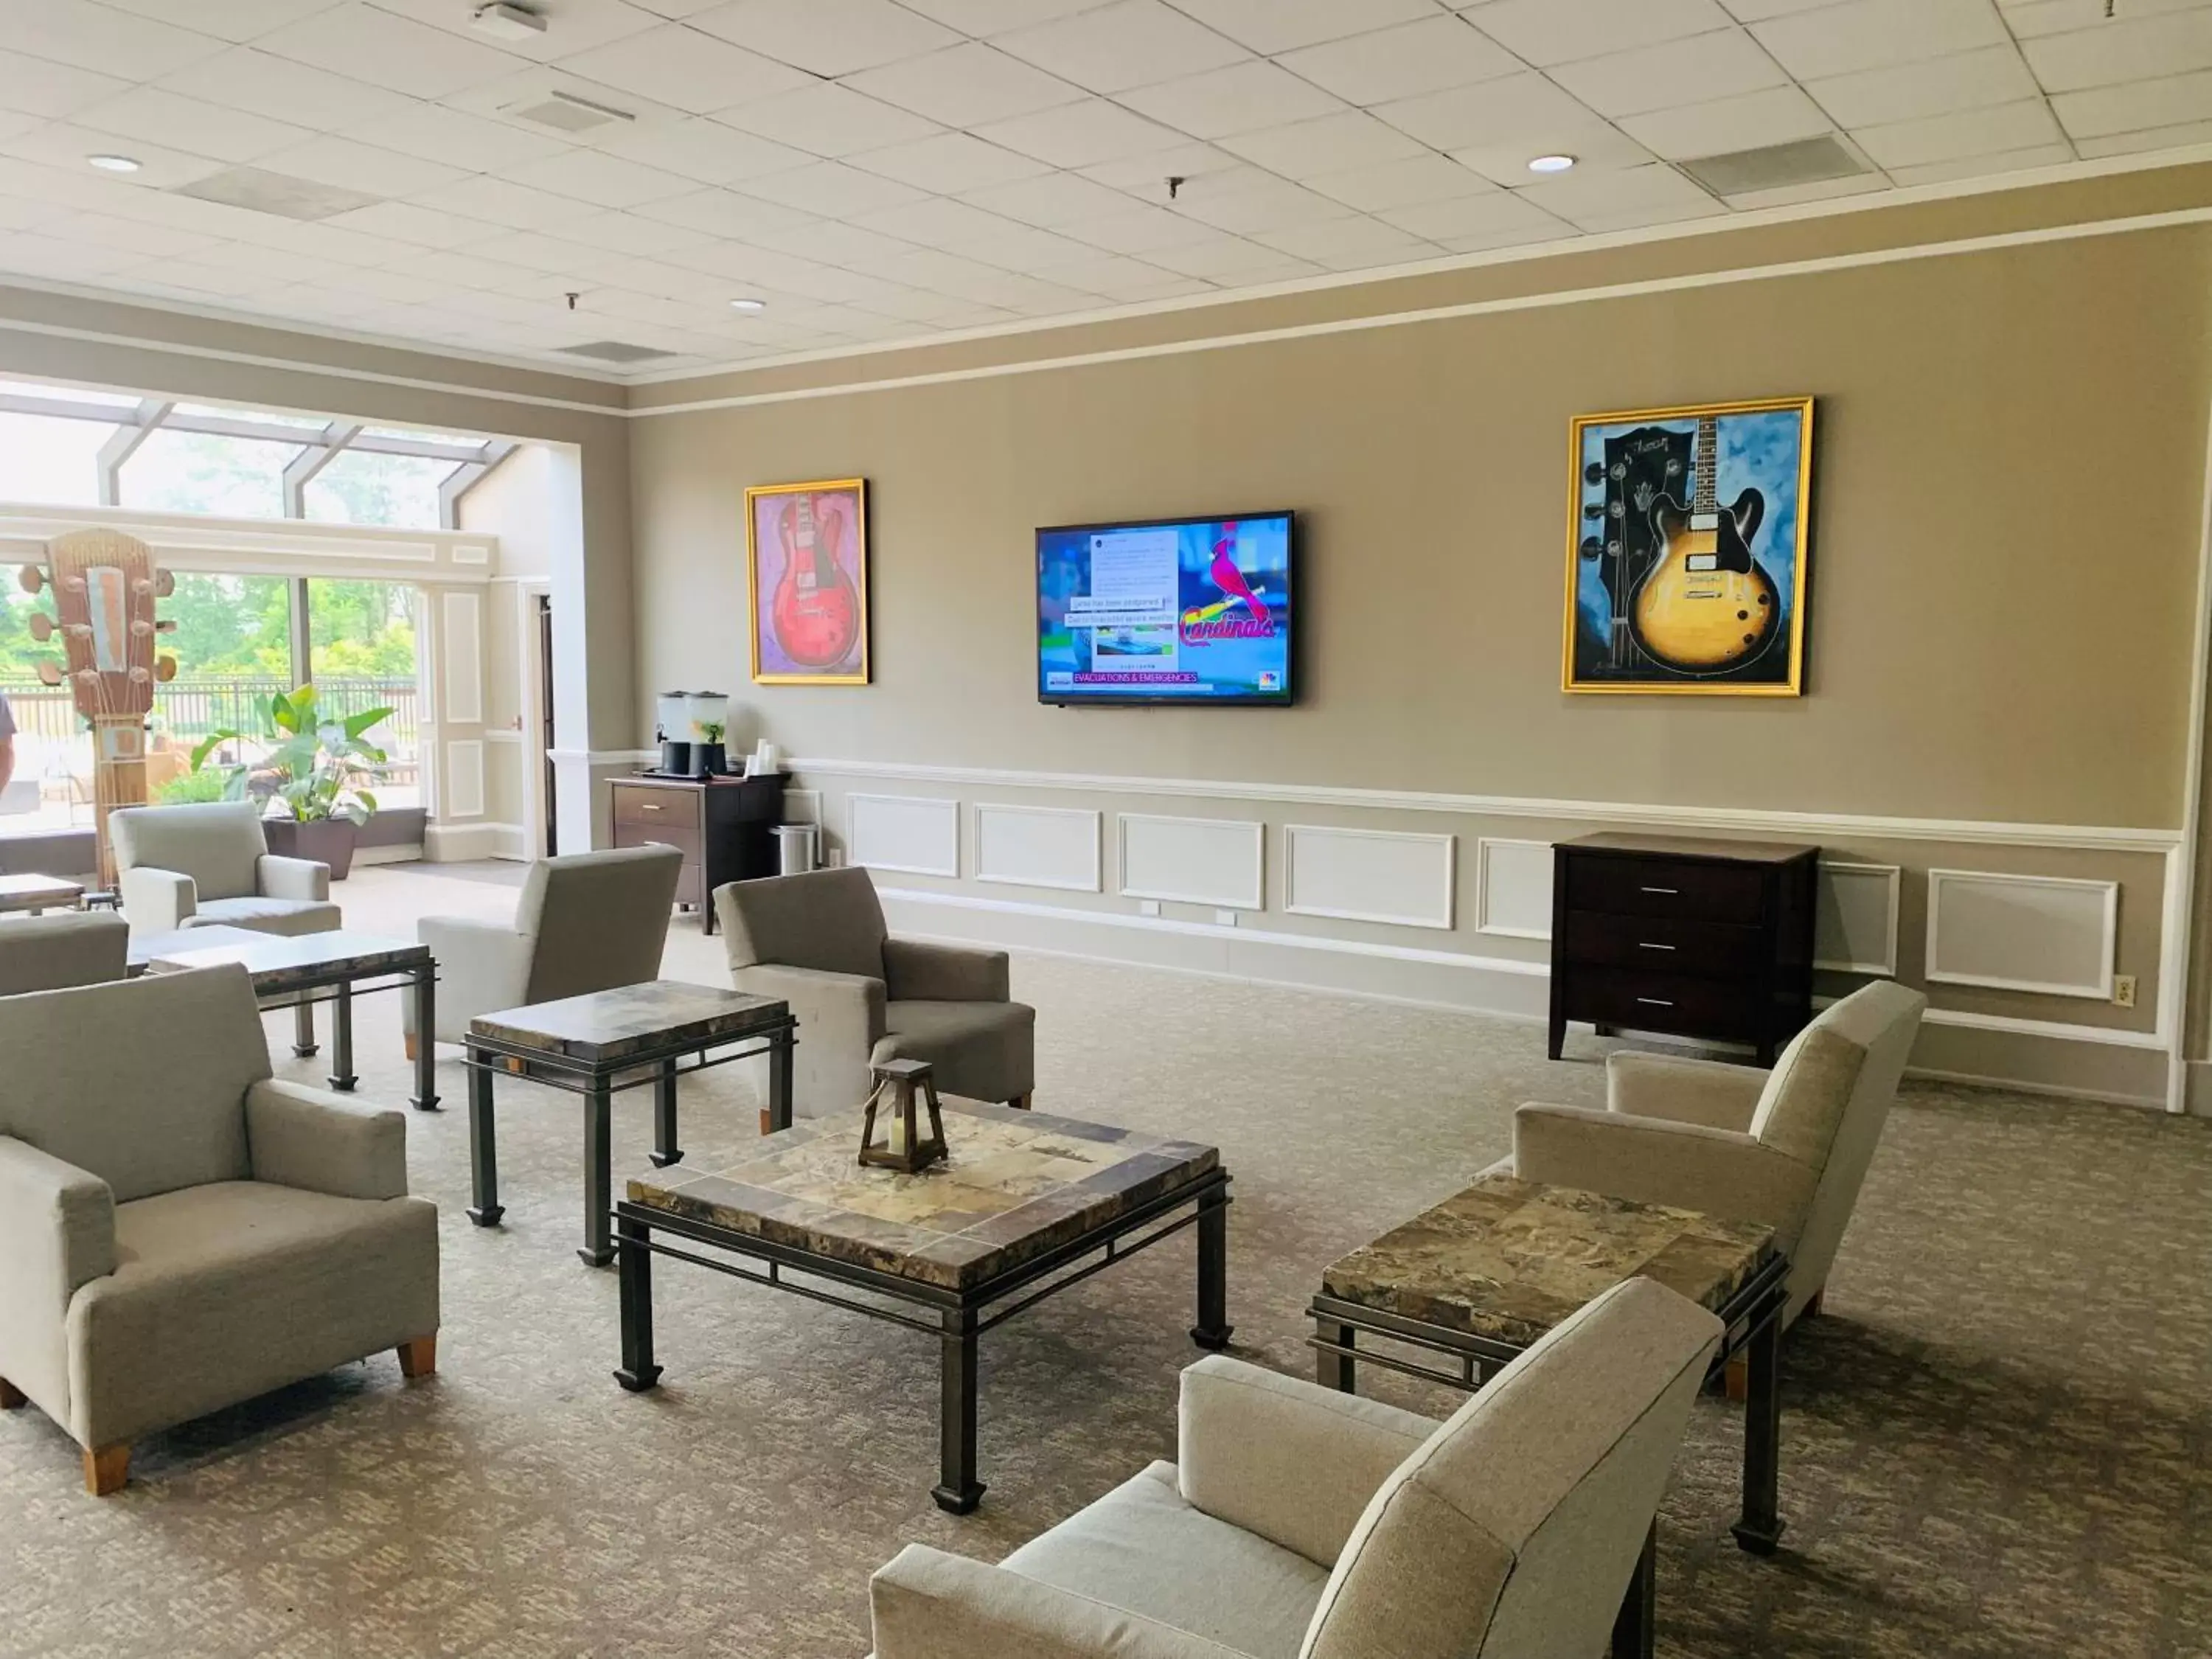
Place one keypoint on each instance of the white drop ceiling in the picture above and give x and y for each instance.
(881, 172)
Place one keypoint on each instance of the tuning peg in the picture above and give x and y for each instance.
(165, 583)
(42, 627)
(32, 578)
(164, 669)
(165, 624)
(50, 673)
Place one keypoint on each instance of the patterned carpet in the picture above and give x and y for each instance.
(1997, 1441)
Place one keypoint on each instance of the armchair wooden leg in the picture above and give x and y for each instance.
(11, 1397)
(413, 1045)
(1739, 1380)
(1019, 1102)
(106, 1467)
(419, 1355)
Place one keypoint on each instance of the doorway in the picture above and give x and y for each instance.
(545, 720)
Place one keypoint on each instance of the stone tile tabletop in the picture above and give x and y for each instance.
(1014, 1186)
(606, 1026)
(1509, 1259)
(275, 960)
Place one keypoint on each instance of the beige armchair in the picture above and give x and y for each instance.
(178, 1232)
(69, 947)
(588, 921)
(208, 865)
(1788, 1147)
(1299, 1520)
(818, 942)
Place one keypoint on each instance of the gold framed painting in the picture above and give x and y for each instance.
(806, 571)
(1688, 535)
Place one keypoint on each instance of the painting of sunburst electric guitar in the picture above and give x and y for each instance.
(1705, 604)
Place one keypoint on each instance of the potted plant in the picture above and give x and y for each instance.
(318, 771)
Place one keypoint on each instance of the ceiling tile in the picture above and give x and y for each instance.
(965, 86)
(169, 117)
(364, 167)
(832, 190)
(1515, 108)
(1547, 32)
(2029, 18)
(38, 87)
(2171, 100)
(500, 202)
(982, 17)
(1081, 134)
(589, 175)
(1579, 196)
(826, 36)
(702, 149)
(1750, 120)
(572, 25)
(1229, 260)
(1276, 25)
(404, 222)
(2126, 50)
(63, 145)
(1329, 144)
(948, 163)
(1145, 177)
(1128, 280)
(1715, 65)
(105, 230)
(1753, 11)
(1242, 98)
(678, 65)
(1051, 200)
(1403, 62)
(1868, 33)
(1905, 92)
(243, 78)
(1500, 212)
(830, 120)
(99, 38)
(535, 252)
(189, 276)
(1751, 201)
(1349, 244)
(1963, 133)
(1250, 200)
(852, 246)
(230, 20)
(1984, 166)
(359, 40)
(34, 254)
(1407, 183)
(723, 213)
(616, 232)
(2129, 143)
(1143, 230)
(435, 133)
(933, 222)
(1131, 43)
(1641, 213)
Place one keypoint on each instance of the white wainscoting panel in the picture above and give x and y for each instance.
(1513, 887)
(1855, 918)
(465, 779)
(460, 642)
(1038, 845)
(2055, 935)
(903, 832)
(1370, 875)
(1194, 860)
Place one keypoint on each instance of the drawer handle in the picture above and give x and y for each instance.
(1671, 892)
(1656, 1002)
(648, 806)
(1646, 944)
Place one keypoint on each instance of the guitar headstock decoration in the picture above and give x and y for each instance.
(105, 586)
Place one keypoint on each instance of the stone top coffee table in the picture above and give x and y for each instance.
(36, 893)
(301, 969)
(1021, 1196)
(585, 1044)
(1482, 1275)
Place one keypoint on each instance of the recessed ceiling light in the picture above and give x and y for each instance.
(113, 163)
(749, 305)
(1550, 164)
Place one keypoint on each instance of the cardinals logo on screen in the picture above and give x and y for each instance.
(1203, 622)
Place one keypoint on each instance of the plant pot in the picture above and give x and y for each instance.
(325, 841)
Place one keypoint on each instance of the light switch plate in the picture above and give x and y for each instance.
(1225, 918)
(1148, 907)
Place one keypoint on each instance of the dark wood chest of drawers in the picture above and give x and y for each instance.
(722, 825)
(1696, 937)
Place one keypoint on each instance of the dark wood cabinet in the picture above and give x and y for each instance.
(1695, 938)
(723, 826)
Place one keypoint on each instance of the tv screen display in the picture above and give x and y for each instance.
(1166, 610)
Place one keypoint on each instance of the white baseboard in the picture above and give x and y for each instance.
(406, 853)
(465, 843)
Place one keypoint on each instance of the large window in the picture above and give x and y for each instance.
(361, 640)
(208, 472)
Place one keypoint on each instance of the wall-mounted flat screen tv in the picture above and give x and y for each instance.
(1167, 611)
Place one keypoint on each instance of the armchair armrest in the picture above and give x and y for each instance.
(296, 1136)
(277, 877)
(482, 966)
(56, 1235)
(157, 901)
(1284, 1458)
(918, 970)
(1708, 1092)
(926, 1604)
(1651, 1161)
(844, 1009)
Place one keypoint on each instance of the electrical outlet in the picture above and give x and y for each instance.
(1148, 907)
(1225, 918)
(2123, 990)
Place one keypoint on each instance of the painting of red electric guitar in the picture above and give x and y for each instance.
(807, 555)
(1688, 550)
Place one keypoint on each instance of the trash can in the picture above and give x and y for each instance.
(798, 847)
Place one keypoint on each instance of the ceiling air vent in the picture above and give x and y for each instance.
(564, 112)
(615, 351)
(277, 192)
(1774, 167)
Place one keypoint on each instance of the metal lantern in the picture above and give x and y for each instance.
(906, 1151)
